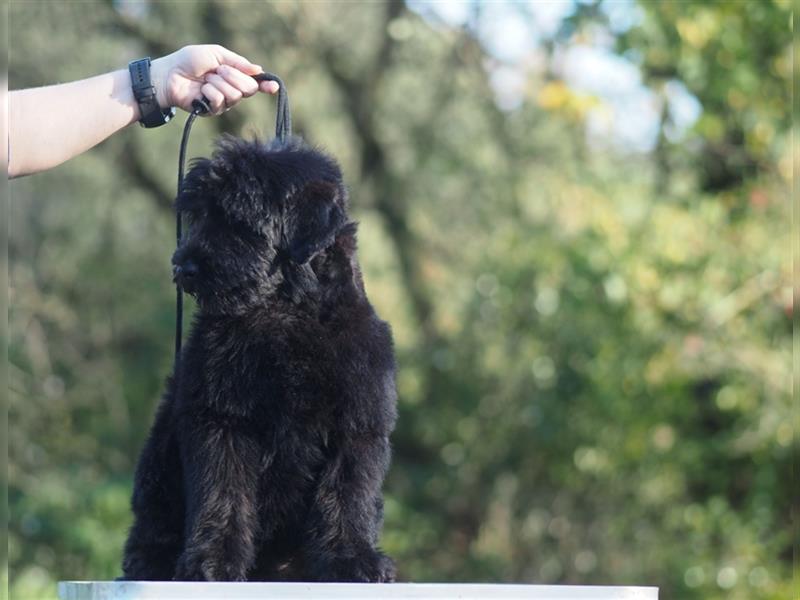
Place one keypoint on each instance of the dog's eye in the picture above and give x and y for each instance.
(195, 217)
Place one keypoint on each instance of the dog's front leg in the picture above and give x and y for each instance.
(221, 465)
(346, 515)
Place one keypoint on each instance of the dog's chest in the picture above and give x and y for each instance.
(262, 374)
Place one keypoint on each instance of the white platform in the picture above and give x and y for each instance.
(148, 590)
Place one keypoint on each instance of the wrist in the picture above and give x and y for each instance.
(159, 74)
(122, 92)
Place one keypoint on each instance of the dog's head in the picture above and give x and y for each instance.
(254, 211)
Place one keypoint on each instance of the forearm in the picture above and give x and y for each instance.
(50, 125)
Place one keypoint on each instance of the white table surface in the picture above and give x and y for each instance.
(157, 590)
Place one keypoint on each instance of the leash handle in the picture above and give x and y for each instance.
(283, 118)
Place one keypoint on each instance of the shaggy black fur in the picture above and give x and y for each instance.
(269, 448)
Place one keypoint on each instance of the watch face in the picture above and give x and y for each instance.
(168, 114)
(158, 117)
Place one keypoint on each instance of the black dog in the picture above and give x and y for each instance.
(271, 443)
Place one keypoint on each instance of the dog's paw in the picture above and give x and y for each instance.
(192, 567)
(195, 566)
(371, 566)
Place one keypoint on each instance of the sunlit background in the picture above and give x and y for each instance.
(575, 216)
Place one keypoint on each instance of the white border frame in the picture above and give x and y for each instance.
(157, 590)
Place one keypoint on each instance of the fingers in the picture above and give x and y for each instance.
(232, 80)
(226, 57)
(231, 95)
(235, 78)
(269, 87)
(228, 86)
(244, 67)
(216, 99)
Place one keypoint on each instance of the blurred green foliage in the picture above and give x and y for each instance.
(728, 54)
(595, 346)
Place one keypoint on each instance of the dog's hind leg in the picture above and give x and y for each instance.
(156, 537)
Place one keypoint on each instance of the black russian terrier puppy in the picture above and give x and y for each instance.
(270, 446)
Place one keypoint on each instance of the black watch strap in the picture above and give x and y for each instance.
(144, 92)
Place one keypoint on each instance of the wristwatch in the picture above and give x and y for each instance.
(144, 92)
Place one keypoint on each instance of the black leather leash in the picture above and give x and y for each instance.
(283, 129)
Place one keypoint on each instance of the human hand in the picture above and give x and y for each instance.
(210, 70)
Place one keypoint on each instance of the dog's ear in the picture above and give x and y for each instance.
(315, 219)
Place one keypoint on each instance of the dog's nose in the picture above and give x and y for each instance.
(184, 272)
(187, 270)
